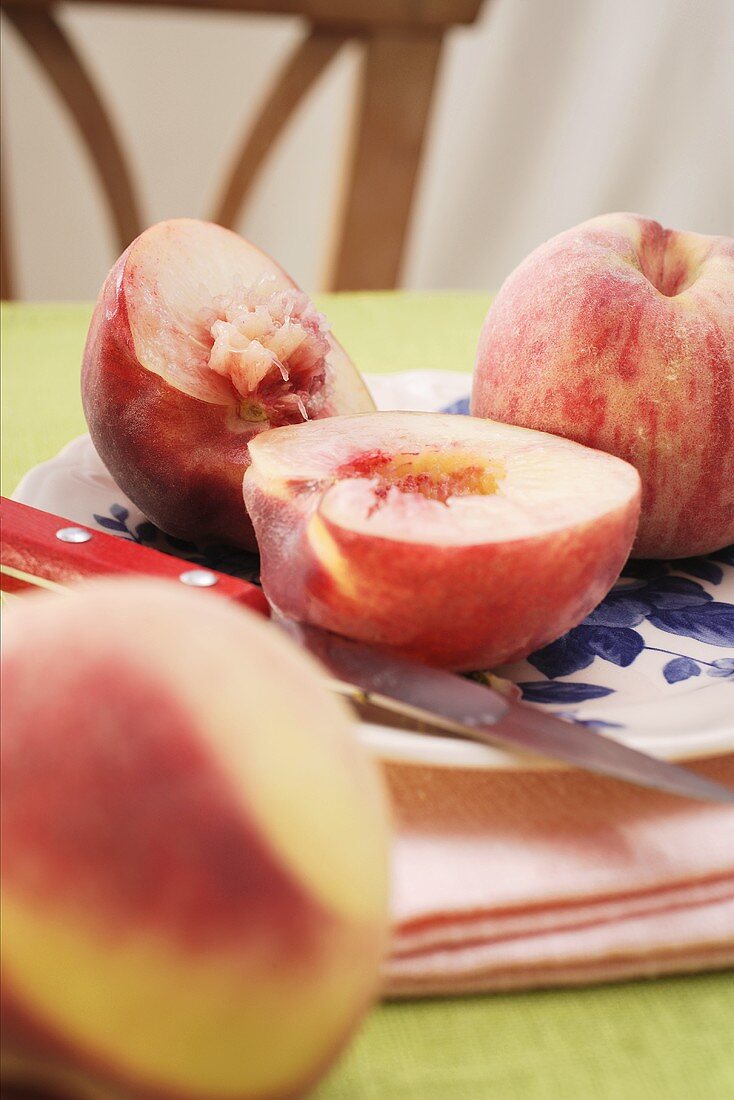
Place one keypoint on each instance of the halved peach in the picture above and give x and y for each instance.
(460, 542)
(198, 342)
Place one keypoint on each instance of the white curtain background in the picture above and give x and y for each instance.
(547, 112)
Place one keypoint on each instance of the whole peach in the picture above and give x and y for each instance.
(198, 342)
(620, 334)
(194, 851)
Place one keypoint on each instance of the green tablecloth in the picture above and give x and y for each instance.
(671, 1039)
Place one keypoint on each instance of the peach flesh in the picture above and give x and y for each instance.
(434, 476)
(271, 349)
(198, 342)
(455, 541)
(195, 879)
(619, 334)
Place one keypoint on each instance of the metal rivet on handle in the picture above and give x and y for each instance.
(73, 534)
(199, 578)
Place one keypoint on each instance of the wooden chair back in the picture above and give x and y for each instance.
(400, 43)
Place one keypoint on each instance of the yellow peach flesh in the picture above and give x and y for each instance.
(435, 475)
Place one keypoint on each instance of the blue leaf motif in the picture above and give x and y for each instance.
(621, 607)
(672, 593)
(460, 407)
(562, 657)
(119, 512)
(682, 668)
(620, 645)
(110, 524)
(703, 568)
(712, 623)
(723, 667)
(543, 691)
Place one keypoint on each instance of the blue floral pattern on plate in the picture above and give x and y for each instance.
(674, 604)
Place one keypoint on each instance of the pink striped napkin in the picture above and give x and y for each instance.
(521, 879)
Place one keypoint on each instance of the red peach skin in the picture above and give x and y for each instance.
(619, 334)
(431, 561)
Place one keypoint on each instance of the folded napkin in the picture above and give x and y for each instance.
(519, 879)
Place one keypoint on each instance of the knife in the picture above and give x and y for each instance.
(40, 549)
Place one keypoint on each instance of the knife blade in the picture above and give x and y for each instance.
(34, 549)
(488, 716)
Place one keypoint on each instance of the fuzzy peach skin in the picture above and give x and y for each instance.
(455, 541)
(194, 851)
(198, 342)
(619, 334)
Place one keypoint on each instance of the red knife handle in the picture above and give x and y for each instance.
(31, 550)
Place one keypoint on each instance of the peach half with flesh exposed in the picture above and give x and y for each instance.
(199, 341)
(460, 542)
(194, 851)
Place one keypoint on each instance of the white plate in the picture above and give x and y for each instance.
(653, 665)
